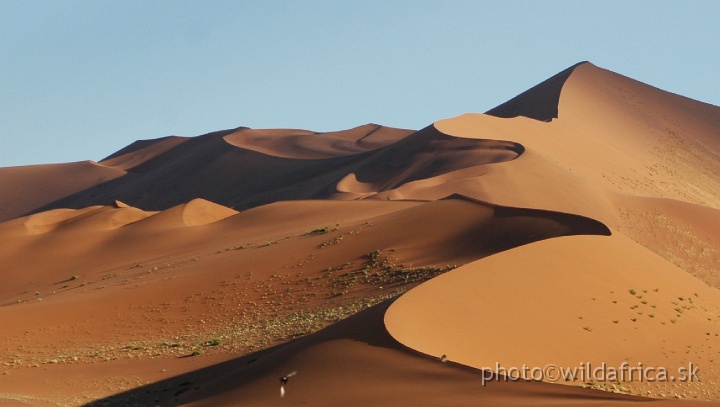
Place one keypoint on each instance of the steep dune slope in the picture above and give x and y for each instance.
(140, 152)
(539, 102)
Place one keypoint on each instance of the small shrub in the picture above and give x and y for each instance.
(319, 231)
(213, 342)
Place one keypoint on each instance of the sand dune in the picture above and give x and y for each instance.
(684, 234)
(606, 136)
(627, 305)
(303, 144)
(223, 167)
(23, 189)
(539, 102)
(229, 268)
(575, 223)
(140, 152)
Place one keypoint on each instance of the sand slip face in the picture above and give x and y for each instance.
(140, 152)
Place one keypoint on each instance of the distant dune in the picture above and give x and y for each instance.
(577, 224)
(24, 189)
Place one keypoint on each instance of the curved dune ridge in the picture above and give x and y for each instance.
(535, 279)
(574, 225)
(539, 102)
(194, 213)
(426, 154)
(242, 176)
(620, 134)
(303, 144)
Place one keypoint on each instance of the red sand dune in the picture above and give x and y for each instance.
(577, 222)
(24, 189)
(140, 152)
(303, 144)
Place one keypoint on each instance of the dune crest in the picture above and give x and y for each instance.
(303, 144)
(196, 212)
(427, 154)
(350, 184)
(140, 152)
(539, 102)
(201, 212)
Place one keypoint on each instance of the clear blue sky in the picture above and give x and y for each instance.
(82, 79)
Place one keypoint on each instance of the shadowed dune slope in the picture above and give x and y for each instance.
(140, 152)
(23, 189)
(539, 102)
(429, 153)
(209, 167)
(303, 144)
